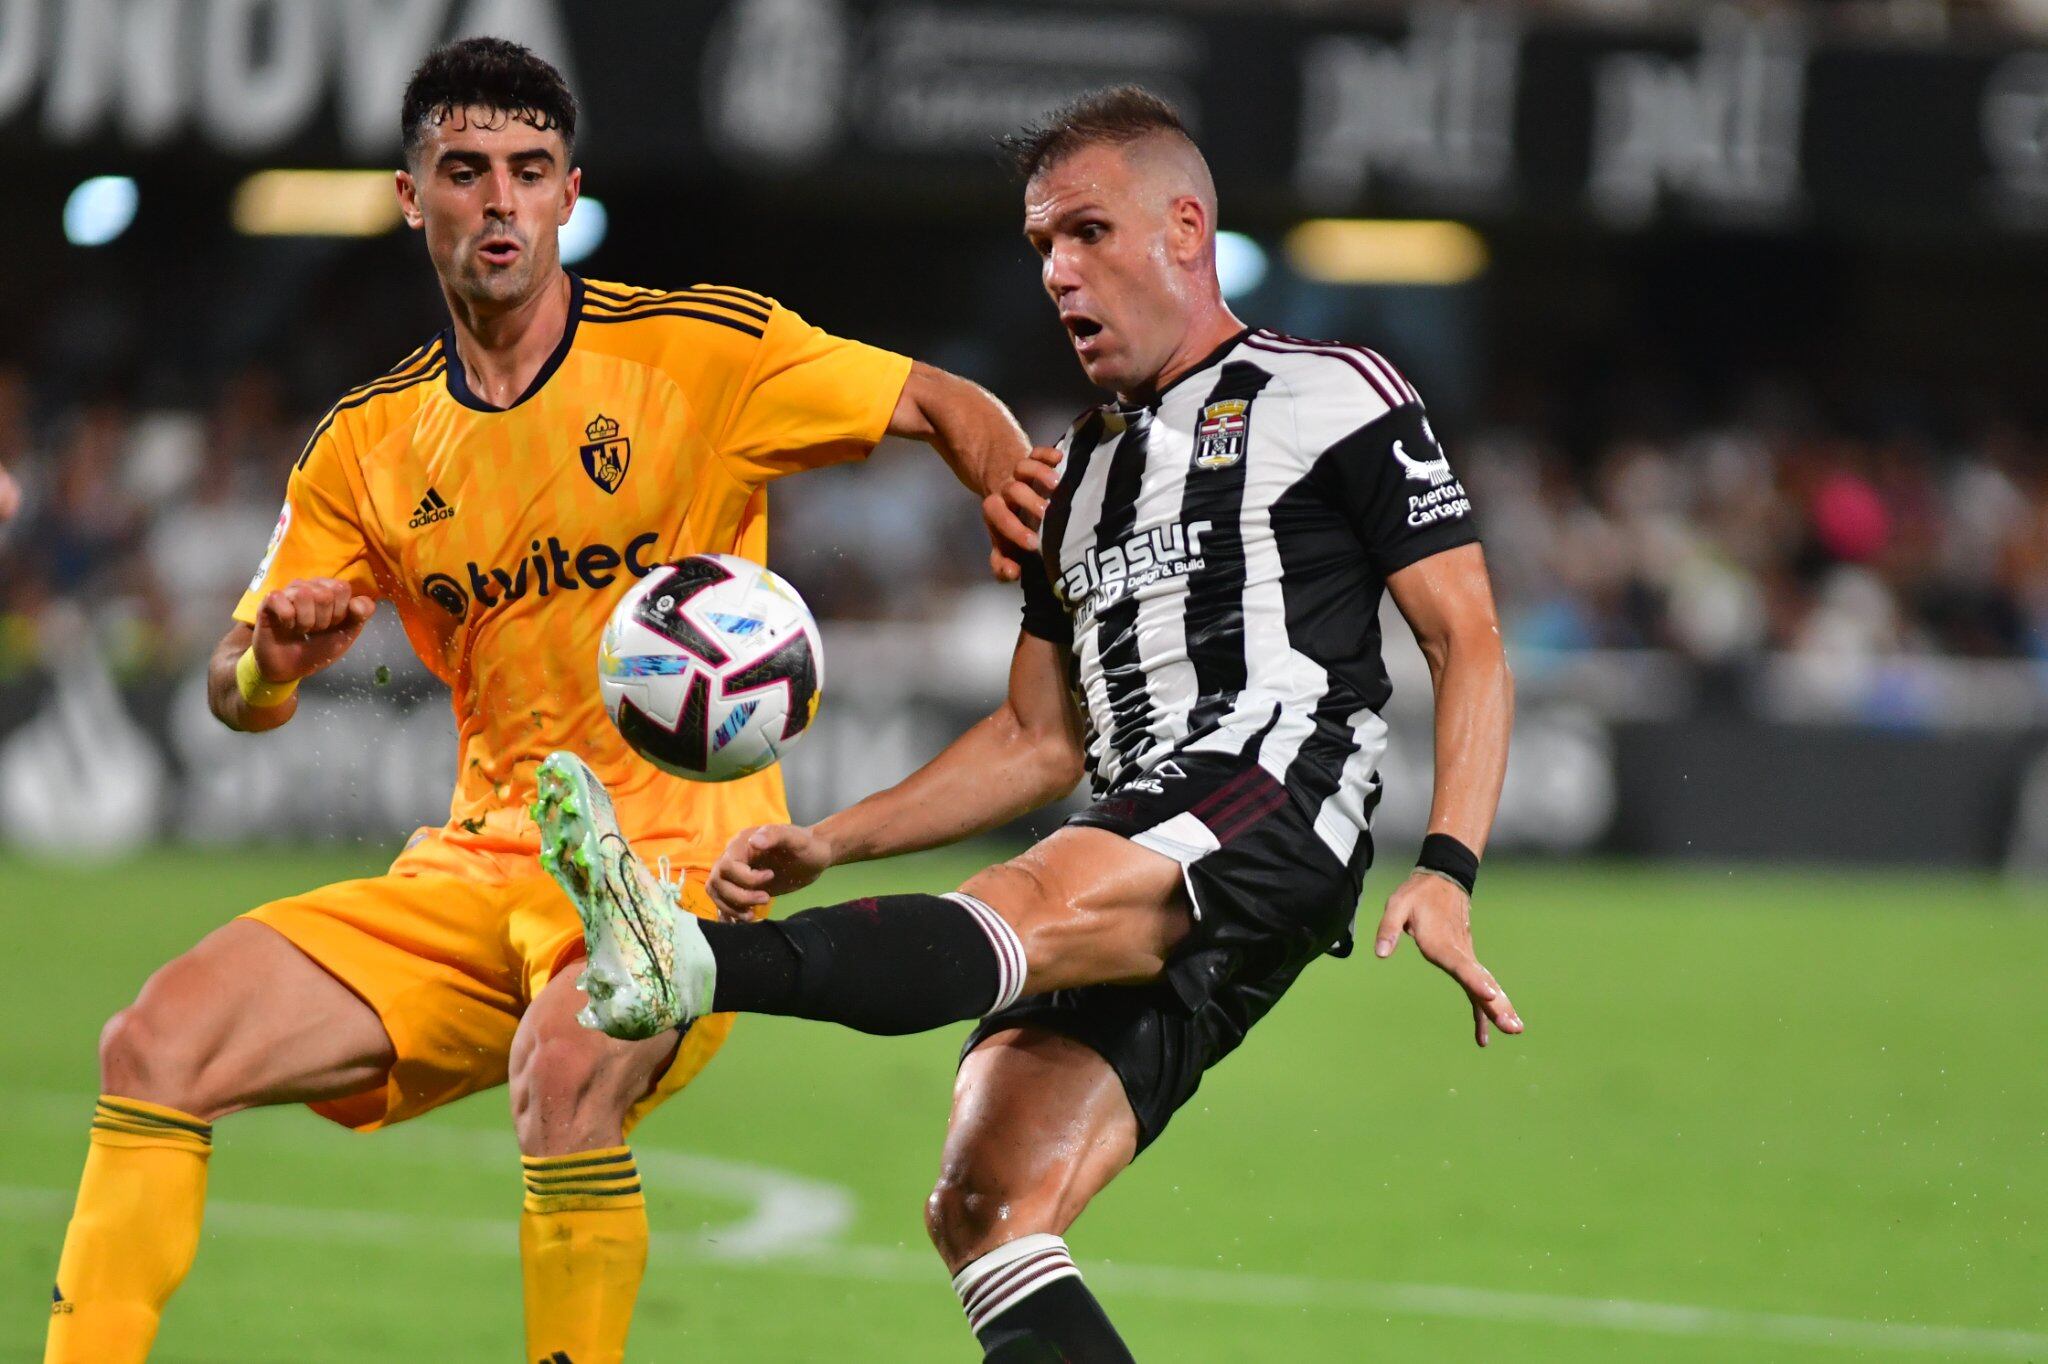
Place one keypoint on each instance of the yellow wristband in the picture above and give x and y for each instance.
(259, 691)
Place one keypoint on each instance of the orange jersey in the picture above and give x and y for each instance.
(503, 537)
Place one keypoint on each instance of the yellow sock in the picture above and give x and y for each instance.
(582, 1250)
(133, 1233)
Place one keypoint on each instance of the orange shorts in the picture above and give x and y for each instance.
(449, 948)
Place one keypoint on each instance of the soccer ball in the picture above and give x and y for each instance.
(711, 667)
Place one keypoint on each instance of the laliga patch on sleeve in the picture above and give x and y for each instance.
(284, 523)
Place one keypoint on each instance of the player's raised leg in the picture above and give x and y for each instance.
(583, 1231)
(1084, 907)
(243, 1019)
(1040, 1125)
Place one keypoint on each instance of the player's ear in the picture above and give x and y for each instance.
(572, 190)
(1188, 224)
(409, 200)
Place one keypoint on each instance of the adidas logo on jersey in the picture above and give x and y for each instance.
(430, 510)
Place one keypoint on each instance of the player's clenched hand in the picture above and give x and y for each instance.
(763, 862)
(1438, 915)
(10, 497)
(1016, 510)
(307, 624)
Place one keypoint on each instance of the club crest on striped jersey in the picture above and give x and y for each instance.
(608, 454)
(1220, 436)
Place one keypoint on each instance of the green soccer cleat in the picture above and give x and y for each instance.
(649, 969)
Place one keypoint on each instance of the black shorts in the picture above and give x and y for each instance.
(1269, 895)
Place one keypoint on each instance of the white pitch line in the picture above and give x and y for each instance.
(267, 1221)
(788, 1214)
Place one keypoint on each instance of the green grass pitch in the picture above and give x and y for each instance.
(1784, 1116)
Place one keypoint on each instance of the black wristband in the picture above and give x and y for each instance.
(1444, 854)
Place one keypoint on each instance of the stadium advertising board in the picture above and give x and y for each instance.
(99, 768)
(96, 767)
(1752, 118)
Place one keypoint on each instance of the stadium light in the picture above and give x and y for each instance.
(1240, 264)
(100, 210)
(1385, 251)
(316, 203)
(584, 232)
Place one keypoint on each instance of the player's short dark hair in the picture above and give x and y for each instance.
(1116, 115)
(486, 73)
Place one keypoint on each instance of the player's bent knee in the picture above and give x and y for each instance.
(1033, 903)
(570, 1092)
(125, 1048)
(1019, 890)
(140, 1059)
(553, 1072)
(971, 1211)
(1076, 932)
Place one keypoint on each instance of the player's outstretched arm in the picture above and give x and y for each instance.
(10, 496)
(1448, 602)
(978, 437)
(300, 629)
(1028, 754)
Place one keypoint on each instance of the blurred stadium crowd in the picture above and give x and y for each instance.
(1772, 532)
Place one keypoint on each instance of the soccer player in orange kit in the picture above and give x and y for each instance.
(500, 488)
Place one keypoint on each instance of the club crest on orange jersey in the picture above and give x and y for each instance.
(1219, 440)
(607, 456)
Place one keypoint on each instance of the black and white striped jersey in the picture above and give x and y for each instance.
(1214, 560)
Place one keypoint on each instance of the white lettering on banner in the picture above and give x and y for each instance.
(249, 93)
(781, 83)
(775, 75)
(533, 23)
(21, 42)
(2014, 119)
(1721, 129)
(81, 777)
(1436, 111)
(951, 79)
(251, 74)
(348, 765)
(124, 56)
(1559, 795)
(381, 43)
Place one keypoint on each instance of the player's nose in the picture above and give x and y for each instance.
(498, 201)
(1062, 274)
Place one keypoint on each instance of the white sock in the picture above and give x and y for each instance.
(1009, 949)
(1011, 1273)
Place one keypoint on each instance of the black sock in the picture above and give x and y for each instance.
(895, 964)
(1027, 1305)
(1059, 1324)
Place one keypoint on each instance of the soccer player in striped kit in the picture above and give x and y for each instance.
(1204, 643)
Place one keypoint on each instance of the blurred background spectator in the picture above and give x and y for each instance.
(1719, 541)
